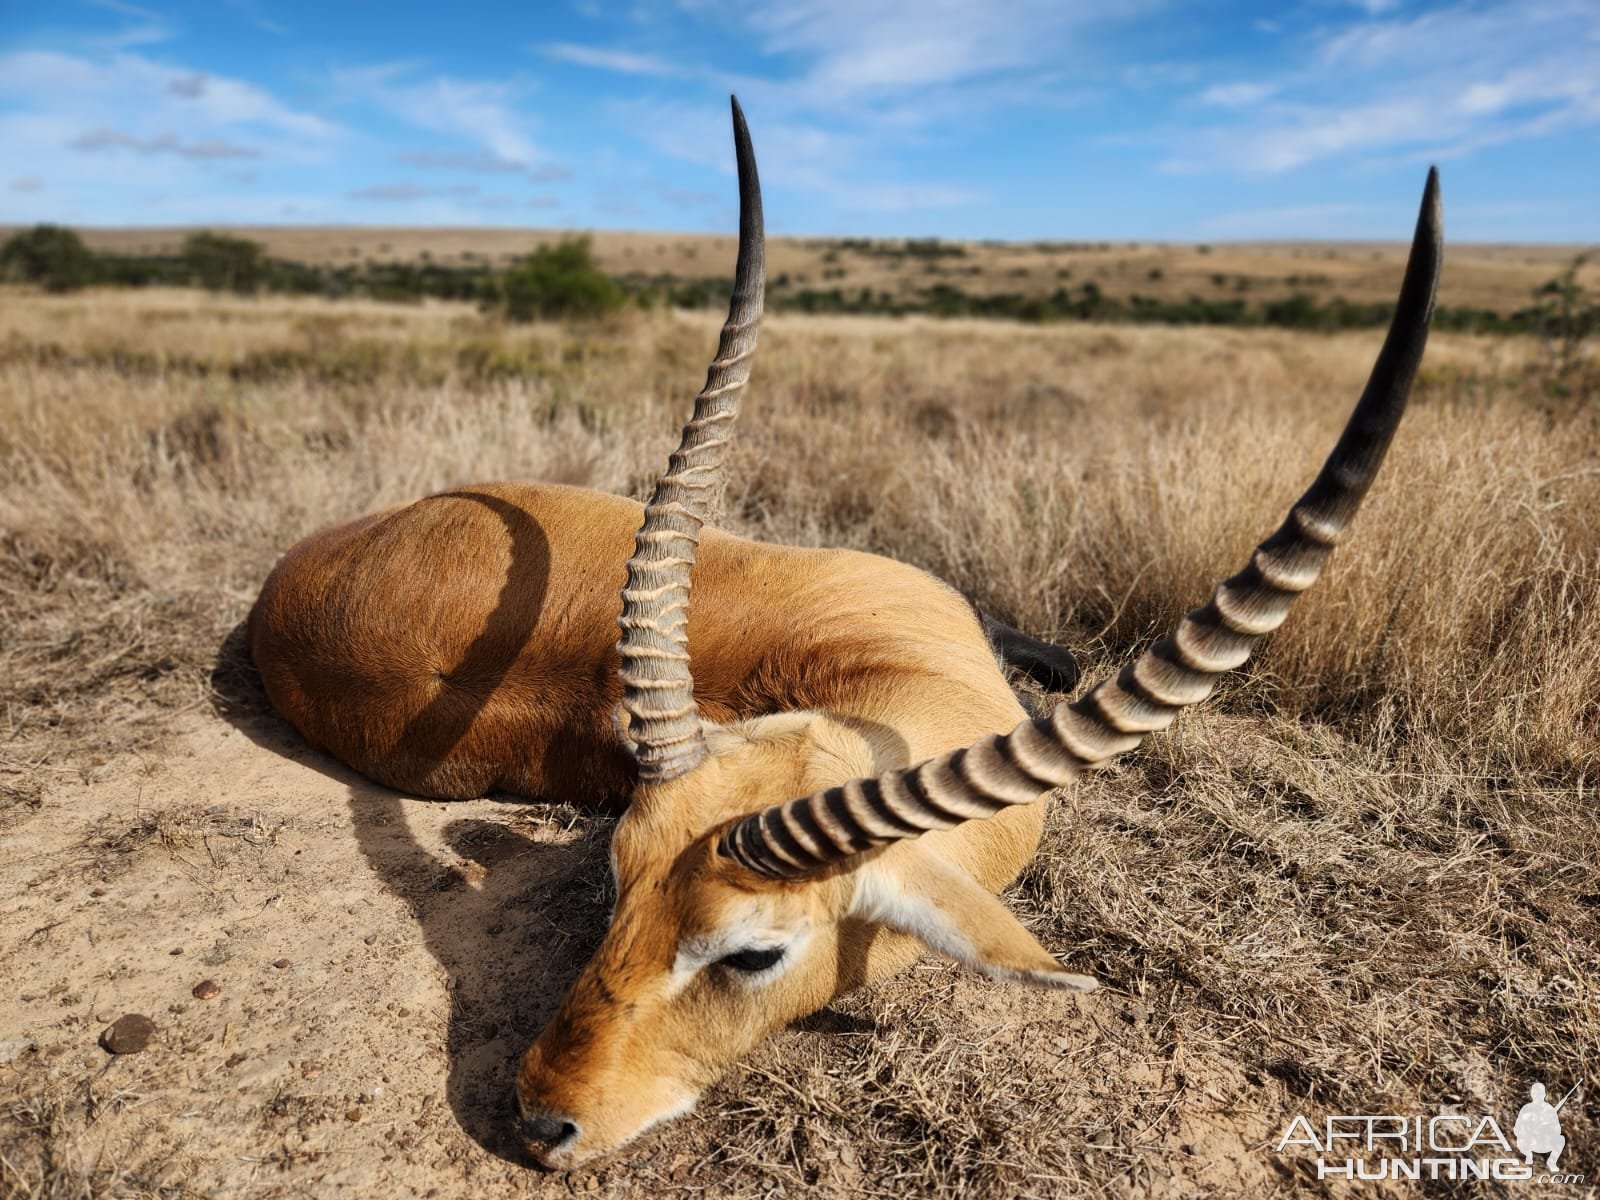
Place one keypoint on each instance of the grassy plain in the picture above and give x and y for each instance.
(1500, 278)
(1361, 879)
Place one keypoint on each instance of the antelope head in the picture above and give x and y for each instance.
(763, 868)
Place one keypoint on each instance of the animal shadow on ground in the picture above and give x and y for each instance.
(511, 919)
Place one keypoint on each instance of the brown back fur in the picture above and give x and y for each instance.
(466, 643)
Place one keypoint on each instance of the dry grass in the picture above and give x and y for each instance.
(1362, 879)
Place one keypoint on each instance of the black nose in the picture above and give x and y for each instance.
(546, 1130)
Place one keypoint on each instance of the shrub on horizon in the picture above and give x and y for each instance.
(51, 255)
(555, 281)
(223, 263)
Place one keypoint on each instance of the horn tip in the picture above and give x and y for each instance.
(1432, 205)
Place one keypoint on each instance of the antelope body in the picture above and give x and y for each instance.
(824, 768)
(466, 643)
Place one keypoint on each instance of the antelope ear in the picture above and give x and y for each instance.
(915, 891)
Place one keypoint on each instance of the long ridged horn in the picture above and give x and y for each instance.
(658, 690)
(801, 837)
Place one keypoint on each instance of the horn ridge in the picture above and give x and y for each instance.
(657, 683)
(843, 824)
(1182, 668)
(889, 798)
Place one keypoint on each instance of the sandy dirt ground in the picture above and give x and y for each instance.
(380, 962)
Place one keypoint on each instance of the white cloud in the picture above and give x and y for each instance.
(480, 113)
(170, 128)
(857, 48)
(1236, 95)
(1440, 83)
(161, 143)
(110, 91)
(250, 11)
(622, 61)
(845, 88)
(148, 28)
(452, 161)
(410, 191)
(846, 171)
(900, 63)
(483, 163)
(868, 197)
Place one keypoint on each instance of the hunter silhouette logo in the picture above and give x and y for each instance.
(1538, 1127)
(1450, 1145)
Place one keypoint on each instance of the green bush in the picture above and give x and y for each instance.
(225, 264)
(51, 255)
(555, 281)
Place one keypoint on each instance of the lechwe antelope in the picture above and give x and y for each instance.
(844, 781)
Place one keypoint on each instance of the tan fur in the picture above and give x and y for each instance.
(466, 643)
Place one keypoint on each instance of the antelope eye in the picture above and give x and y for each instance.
(754, 959)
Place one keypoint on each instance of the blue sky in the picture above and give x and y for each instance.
(1007, 119)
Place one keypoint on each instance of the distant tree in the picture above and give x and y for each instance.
(223, 263)
(555, 281)
(51, 255)
(1567, 317)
